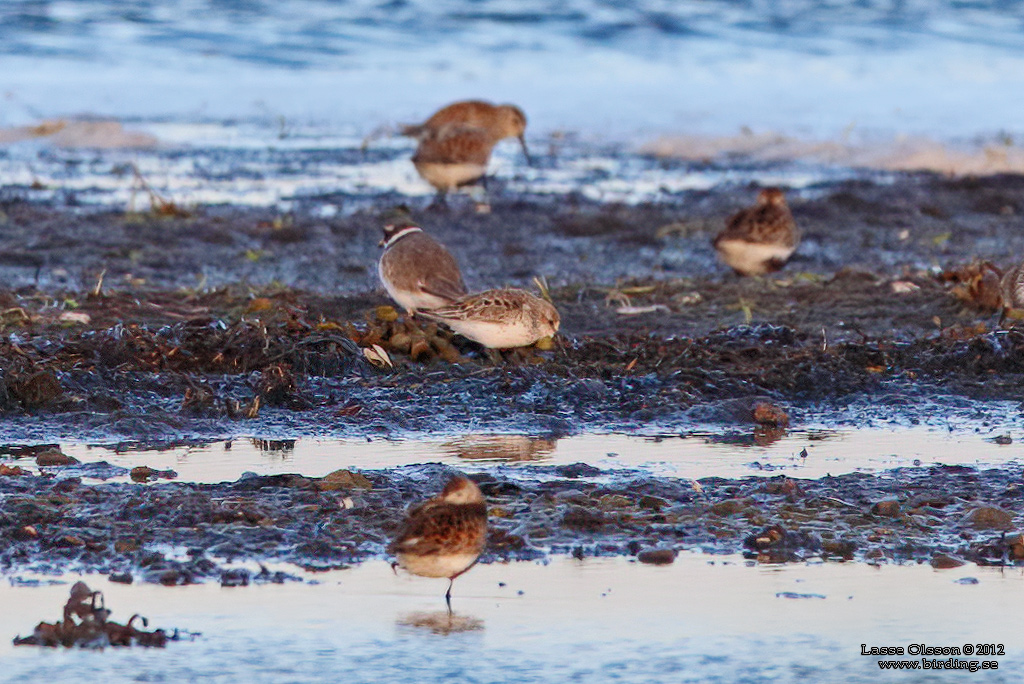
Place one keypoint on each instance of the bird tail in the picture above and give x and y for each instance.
(429, 315)
(412, 130)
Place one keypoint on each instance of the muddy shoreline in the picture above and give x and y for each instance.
(180, 533)
(167, 366)
(212, 322)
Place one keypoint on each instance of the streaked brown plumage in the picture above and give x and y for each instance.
(453, 155)
(417, 270)
(1011, 286)
(443, 537)
(501, 121)
(761, 238)
(455, 143)
(499, 319)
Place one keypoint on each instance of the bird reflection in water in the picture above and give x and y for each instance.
(441, 622)
(500, 448)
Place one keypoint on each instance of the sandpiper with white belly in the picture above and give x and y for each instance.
(444, 536)
(761, 238)
(417, 270)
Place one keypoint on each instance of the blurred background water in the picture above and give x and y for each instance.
(949, 70)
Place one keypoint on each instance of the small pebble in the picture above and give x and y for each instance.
(657, 556)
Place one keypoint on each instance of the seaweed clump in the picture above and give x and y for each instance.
(86, 625)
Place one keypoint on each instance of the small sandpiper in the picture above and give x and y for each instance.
(761, 238)
(501, 121)
(443, 536)
(453, 156)
(499, 319)
(455, 143)
(417, 270)
(1011, 286)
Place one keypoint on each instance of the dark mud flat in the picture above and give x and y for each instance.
(106, 336)
(206, 323)
(285, 363)
(183, 533)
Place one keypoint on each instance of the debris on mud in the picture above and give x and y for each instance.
(878, 303)
(195, 366)
(145, 474)
(976, 285)
(86, 624)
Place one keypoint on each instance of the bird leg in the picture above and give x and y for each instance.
(1005, 314)
(526, 152)
(440, 202)
(481, 201)
(451, 581)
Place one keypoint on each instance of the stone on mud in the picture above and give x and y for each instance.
(343, 479)
(886, 508)
(769, 414)
(943, 561)
(55, 457)
(657, 556)
(583, 519)
(988, 518)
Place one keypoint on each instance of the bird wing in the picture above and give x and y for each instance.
(420, 261)
(446, 281)
(441, 526)
(455, 144)
(492, 306)
(443, 287)
(760, 225)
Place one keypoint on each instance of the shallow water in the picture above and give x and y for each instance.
(818, 69)
(800, 454)
(289, 105)
(708, 619)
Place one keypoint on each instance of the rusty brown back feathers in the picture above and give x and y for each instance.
(436, 526)
(455, 144)
(504, 121)
(767, 222)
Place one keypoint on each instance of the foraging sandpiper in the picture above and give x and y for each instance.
(455, 143)
(761, 238)
(499, 319)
